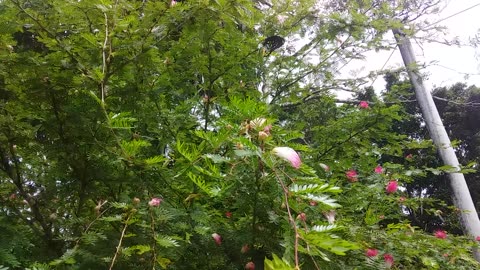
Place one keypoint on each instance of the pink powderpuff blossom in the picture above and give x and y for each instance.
(363, 104)
(371, 252)
(440, 234)
(154, 202)
(388, 258)
(217, 238)
(477, 238)
(392, 186)
(250, 266)
(378, 169)
(289, 155)
(325, 167)
(352, 176)
(228, 214)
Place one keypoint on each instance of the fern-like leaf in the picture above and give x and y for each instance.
(217, 158)
(189, 151)
(121, 120)
(200, 182)
(324, 199)
(166, 241)
(324, 228)
(132, 148)
(155, 160)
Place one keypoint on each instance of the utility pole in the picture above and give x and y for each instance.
(461, 194)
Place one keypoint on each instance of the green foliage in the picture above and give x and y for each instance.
(133, 134)
(276, 264)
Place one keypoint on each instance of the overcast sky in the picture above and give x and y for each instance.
(447, 65)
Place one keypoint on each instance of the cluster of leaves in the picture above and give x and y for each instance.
(133, 135)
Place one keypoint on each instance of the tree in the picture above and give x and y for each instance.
(458, 108)
(456, 111)
(142, 134)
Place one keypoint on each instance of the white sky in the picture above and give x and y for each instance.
(446, 65)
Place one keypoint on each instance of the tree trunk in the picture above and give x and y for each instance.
(461, 195)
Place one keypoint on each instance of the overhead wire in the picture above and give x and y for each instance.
(454, 14)
(385, 64)
(432, 24)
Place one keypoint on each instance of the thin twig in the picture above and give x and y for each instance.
(290, 218)
(119, 246)
(154, 239)
(104, 59)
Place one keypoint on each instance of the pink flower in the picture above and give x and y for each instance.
(217, 238)
(228, 214)
(173, 3)
(371, 252)
(267, 129)
(392, 186)
(402, 199)
(289, 155)
(388, 260)
(477, 238)
(155, 202)
(352, 176)
(363, 104)
(440, 234)
(330, 216)
(250, 266)
(313, 203)
(245, 249)
(325, 167)
(409, 157)
(378, 169)
(302, 216)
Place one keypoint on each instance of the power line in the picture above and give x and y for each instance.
(459, 72)
(454, 14)
(388, 59)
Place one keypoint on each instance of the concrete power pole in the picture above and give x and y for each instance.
(461, 194)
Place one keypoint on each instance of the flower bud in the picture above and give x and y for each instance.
(154, 202)
(217, 238)
(289, 155)
(262, 135)
(302, 216)
(250, 266)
